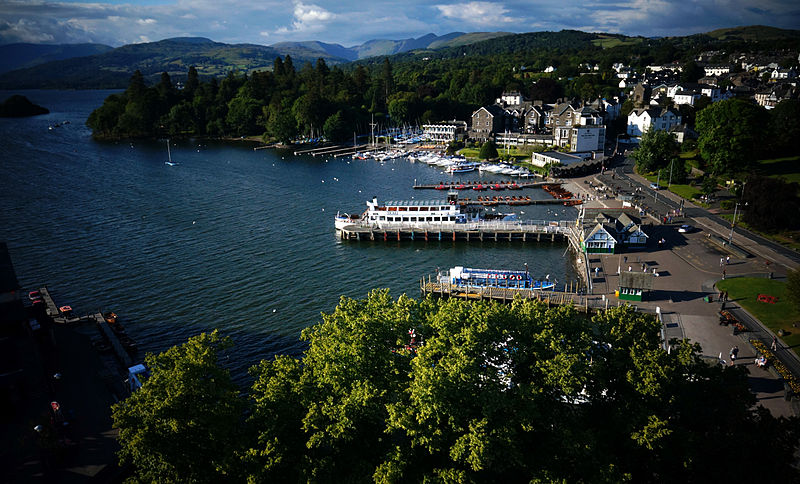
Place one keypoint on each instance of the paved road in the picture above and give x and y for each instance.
(662, 202)
(689, 267)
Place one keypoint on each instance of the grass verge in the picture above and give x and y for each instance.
(778, 316)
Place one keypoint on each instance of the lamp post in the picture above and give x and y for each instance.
(733, 224)
(670, 173)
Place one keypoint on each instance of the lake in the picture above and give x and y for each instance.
(228, 238)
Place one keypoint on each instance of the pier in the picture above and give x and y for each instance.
(502, 294)
(523, 231)
(334, 150)
(105, 334)
(471, 185)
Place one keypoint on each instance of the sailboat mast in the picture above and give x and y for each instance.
(169, 155)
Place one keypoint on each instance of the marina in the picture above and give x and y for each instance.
(481, 185)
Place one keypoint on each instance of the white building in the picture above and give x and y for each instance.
(717, 71)
(553, 158)
(445, 131)
(587, 138)
(685, 97)
(641, 120)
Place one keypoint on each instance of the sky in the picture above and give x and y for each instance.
(352, 22)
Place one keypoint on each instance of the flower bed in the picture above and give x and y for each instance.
(784, 372)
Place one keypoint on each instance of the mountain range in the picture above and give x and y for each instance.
(101, 66)
(82, 66)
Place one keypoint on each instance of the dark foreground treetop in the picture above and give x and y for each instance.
(19, 106)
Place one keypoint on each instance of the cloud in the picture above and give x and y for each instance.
(307, 19)
(478, 13)
(350, 22)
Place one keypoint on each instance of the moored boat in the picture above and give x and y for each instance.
(420, 213)
(467, 277)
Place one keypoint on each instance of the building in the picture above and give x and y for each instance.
(554, 158)
(635, 286)
(641, 120)
(445, 131)
(717, 70)
(584, 139)
(487, 121)
(610, 229)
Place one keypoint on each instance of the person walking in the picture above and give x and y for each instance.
(723, 274)
(774, 345)
(727, 260)
(734, 353)
(721, 261)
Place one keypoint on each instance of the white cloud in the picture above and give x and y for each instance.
(146, 21)
(478, 13)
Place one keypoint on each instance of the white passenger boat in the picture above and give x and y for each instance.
(420, 213)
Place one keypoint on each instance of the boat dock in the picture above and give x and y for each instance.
(524, 231)
(471, 185)
(494, 201)
(336, 151)
(104, 335)
(503, 294)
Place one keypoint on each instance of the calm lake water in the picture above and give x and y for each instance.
(229, 238)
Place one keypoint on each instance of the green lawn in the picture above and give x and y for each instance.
(519, 155)
(787, 168)
(781, 315)
(685, 191)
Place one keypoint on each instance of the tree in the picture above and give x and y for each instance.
(488, 151)
(433, 390)
(731, 134)
(784, 127)
(281, 124)
(335, 127)
(771, 203)
(192, 82)
(546, 90)
(656, 150)
(691, 72)
(182, 424)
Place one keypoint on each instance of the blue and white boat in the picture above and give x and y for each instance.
(465, 276)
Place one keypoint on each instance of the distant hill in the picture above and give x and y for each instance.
(113, 68)
(383, 47)
(20, 55)
(754, 33)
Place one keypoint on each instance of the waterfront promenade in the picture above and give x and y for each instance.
(689, 267)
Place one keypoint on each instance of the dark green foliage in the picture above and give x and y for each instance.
(488, 151)
(731, 135)
(482, 392)
(772, 204)
(18, 106)
(656, 150)
(183, 424)
(785, 128)
(691, 72)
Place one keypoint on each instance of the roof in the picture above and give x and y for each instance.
(415, 203)
(598, 228)
(636, 280)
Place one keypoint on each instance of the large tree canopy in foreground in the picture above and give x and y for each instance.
(450, 391)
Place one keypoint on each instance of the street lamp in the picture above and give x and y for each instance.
(733, 224)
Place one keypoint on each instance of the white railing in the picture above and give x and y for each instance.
(536, 226)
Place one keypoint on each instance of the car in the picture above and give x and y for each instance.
(655, 186)
(685, 229)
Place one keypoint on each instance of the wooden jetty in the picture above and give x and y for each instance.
(470, 185)
(494, 201)
(501, 294)
(481, 231)
(330, 150)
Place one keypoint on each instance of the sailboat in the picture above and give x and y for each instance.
(169, 156)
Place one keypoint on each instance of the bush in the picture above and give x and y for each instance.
(727, 204)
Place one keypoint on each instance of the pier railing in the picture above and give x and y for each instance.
(535, 226)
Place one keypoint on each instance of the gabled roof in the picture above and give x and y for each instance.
(493, 110)
(597, 228)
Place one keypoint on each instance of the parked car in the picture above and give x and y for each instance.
(685, 229)
(655, 186)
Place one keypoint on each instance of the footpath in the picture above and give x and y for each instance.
(688, 267)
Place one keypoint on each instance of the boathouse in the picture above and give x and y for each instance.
(599, 240)
(635, 286)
